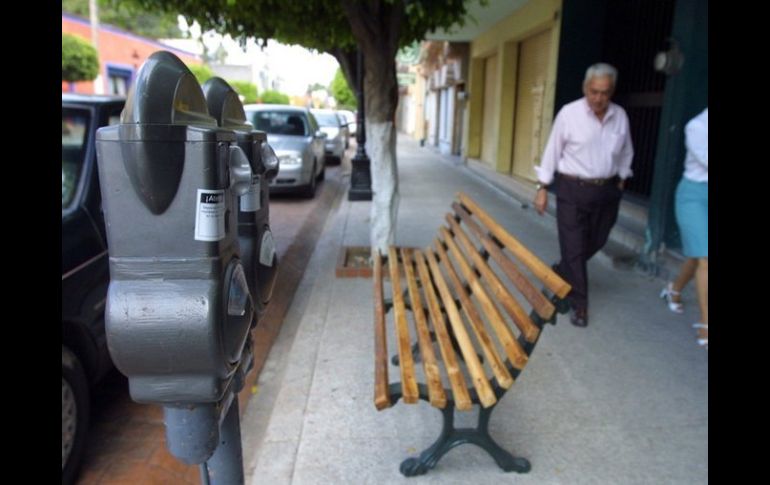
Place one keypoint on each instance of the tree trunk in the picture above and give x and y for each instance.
(381, 100)
(375, 25)
(347, 60)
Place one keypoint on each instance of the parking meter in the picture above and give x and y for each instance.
(178, 309)
(258, 255)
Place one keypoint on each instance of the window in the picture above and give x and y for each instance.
(280, 122)
(327, 119)
(119, 80)
(74, 130)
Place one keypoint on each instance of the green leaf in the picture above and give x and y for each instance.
(79, 60)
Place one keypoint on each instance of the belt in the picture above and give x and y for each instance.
(613, 179)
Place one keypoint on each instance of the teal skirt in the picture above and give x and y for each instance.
(692, 215)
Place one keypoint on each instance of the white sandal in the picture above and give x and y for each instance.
(668, 294)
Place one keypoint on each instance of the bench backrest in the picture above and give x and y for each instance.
(477, 285)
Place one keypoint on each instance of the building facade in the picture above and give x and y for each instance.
(527, 58)
(121, 54)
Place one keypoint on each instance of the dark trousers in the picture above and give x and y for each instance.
(585, 214)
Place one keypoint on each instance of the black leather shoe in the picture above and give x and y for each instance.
(554, 266)
(578, 317)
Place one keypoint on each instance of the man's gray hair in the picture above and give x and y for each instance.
(601, 69)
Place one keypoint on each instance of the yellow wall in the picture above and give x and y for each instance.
(509, 60)
(503, 39)
(475, 107)
(417, 90)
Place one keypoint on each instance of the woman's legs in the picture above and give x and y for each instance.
(685, 275)
(702, 287)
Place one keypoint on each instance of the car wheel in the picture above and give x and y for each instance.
(309, 190)
(74, 414)
(322, 174)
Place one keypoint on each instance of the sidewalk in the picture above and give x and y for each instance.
(624, 400)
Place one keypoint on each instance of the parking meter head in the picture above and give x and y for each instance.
(225, 105)
(255, 238)
(170, 95)
(178, 309)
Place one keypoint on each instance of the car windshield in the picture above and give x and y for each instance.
(74, 129)
(327, 119)
(280, 122)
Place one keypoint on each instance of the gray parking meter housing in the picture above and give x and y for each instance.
(258, 255)
(178, 307)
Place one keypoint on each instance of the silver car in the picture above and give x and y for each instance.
(298, 141)
(336, 131)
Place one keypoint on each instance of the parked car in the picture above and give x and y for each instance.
(350, 117)
(85, 272)
(336, 132)
(344, 129)
(298, 141)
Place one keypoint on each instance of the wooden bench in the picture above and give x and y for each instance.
(463, 294)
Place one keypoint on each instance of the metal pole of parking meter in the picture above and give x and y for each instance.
(226, 464)
(361, 175)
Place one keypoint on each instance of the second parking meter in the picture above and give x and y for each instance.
(258, 254)
(178, 308)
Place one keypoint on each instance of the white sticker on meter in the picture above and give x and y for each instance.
(250, 200)
(267, 249)
(210, 215)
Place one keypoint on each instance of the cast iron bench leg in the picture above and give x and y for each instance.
(451, 437)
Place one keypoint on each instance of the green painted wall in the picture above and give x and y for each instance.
(685, 96)
(580, 45)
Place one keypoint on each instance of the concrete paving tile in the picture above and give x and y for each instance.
(275, 463)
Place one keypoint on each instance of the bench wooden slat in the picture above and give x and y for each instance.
(534, 296)
(513, 350)
(544, 273)
(478, 376)
(436, 393)
(495, 362)
(409, 390)
(381, 394)
(454, 373)
(514, 309)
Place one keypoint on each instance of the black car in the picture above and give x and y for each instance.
(85, 272)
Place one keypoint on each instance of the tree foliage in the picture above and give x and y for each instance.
(79, 60)
(128, 16)
(246, 89)
(375, 28)
(333, 26)
(274, 97)
(342, 92)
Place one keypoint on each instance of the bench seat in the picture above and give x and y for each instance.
(466, 314)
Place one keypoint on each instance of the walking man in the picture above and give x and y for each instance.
(588, 155)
